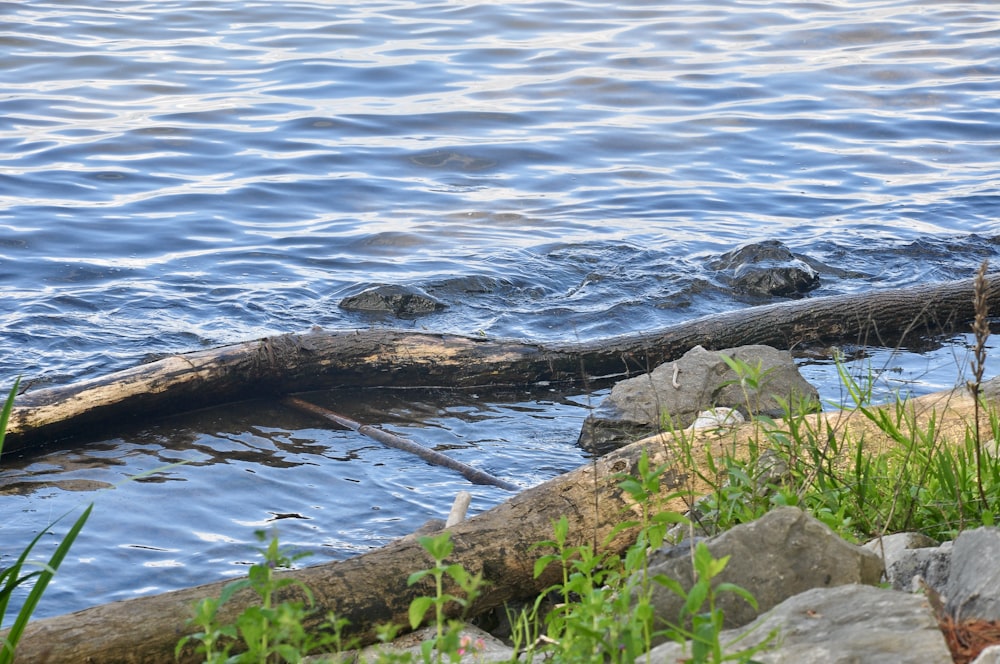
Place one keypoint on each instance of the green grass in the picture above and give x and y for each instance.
(922, 482)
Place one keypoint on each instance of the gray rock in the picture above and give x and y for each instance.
(932, 565)
(892, 547)
(973, 590)
(849, 624)
(396, 300)
(697, 381)
(481, 647)
(764, 269)
(990, 655)
(783, 553)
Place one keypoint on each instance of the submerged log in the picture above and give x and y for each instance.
(289, 363)
(371, 589)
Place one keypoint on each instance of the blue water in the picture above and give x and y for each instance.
(183, 174)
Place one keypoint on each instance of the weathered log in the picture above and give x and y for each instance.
(371, 589)
(364, 358)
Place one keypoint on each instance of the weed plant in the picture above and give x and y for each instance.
(17, 574)
(603, 613)
(268, 631)
(921, 481)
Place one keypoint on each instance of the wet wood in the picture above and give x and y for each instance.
(397, 442)
(371, 589)
(290, 363)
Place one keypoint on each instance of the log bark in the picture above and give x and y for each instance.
(290, 363)
(371, 589)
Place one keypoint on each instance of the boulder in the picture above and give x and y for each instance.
(698, 381)
(764, 269)
(973, 589)
(909, 557)
(783, 553)
(402, 301)
(842, 625)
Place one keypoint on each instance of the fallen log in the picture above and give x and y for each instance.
(371, 589)
(289, 363)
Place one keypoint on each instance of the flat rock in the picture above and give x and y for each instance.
(910, 557)
(480, 647)
(783, 553)
(843, 625)
(973, 589)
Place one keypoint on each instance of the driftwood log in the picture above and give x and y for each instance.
(291, 363)
(371, 589)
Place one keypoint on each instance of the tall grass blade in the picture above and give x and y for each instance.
(8, 406)
(11, 577)
(42, 582)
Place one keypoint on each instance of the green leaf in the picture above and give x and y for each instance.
(696, 597)
(8, 406)
(716, 565)
(438, 546)
(24, 615)
(418, 609)
(457, 572)
(742, 592)
(670, 584)
(541, 563)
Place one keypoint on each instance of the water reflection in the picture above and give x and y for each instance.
(188, 174)
(258, 465)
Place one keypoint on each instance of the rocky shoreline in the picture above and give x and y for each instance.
(824, 600)
(902, 598)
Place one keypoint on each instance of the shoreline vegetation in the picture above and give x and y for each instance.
(577, 589)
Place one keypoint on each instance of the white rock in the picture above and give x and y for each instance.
(717, 418)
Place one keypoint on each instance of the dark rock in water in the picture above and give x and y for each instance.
(766, 268)
(397, 300)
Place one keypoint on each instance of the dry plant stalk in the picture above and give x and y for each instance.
(981, 330)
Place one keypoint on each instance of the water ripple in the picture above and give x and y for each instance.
(187, 173)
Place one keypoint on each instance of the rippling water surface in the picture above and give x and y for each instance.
(182, 174)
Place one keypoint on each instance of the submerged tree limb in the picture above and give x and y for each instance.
(289, 363)
(391, 440)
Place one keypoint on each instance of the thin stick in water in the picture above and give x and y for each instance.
(391, 440)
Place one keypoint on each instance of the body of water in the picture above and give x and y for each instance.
(183, 174)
